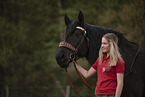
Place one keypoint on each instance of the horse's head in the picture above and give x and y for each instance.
(74, 44)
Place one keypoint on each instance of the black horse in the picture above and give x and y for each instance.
(84, 40)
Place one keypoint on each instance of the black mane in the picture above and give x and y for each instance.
(95, 34)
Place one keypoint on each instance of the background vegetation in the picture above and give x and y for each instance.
(30, 31)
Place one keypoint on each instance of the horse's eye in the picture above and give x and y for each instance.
(77, 33)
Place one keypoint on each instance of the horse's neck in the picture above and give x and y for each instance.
(127, 46)
(94, 35)
(128, 52)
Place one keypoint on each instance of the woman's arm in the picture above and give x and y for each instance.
(86, 73)
(119, 88)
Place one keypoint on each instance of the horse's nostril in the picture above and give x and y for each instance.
(62, 57)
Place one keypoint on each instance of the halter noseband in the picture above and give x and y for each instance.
(67, 45)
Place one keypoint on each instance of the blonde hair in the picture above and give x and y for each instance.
(113, 51)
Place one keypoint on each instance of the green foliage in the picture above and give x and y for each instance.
(31, 30)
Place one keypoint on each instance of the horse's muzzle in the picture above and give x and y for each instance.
(62, 59)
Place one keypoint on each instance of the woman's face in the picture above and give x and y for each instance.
(105, 45)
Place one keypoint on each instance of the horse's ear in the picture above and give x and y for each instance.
(81, 18)
(67, 20)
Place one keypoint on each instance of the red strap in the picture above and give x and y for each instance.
(67, 45)
(78, 27)
(84, 81)
(81, 77)
(72, 83)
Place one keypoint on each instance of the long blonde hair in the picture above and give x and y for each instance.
(113, 51)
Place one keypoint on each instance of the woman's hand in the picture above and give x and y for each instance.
(84, 72)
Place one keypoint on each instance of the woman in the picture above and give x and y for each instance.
(109, 67)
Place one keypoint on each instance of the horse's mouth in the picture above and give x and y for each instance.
(63, 64)
(63, 59)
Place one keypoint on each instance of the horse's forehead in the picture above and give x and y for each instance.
(70, 29)
(72, 26)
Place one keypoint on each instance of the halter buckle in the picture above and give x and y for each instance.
(72, 56)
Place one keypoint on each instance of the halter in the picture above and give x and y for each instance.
(72, 48)
(72, 58)
(69, 46)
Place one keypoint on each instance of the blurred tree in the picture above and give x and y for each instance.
(31, 30)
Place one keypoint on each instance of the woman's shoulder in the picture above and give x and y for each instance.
(121, 61)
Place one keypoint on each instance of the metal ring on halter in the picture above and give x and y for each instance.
(72, 56)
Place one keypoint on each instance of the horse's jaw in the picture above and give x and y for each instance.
(62, 64)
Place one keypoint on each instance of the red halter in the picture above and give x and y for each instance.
(69, 46)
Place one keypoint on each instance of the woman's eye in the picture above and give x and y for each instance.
(104, 43)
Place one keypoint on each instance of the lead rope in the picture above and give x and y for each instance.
(81, 77)
(72, 83)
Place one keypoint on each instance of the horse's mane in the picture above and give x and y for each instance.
(95, 34)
